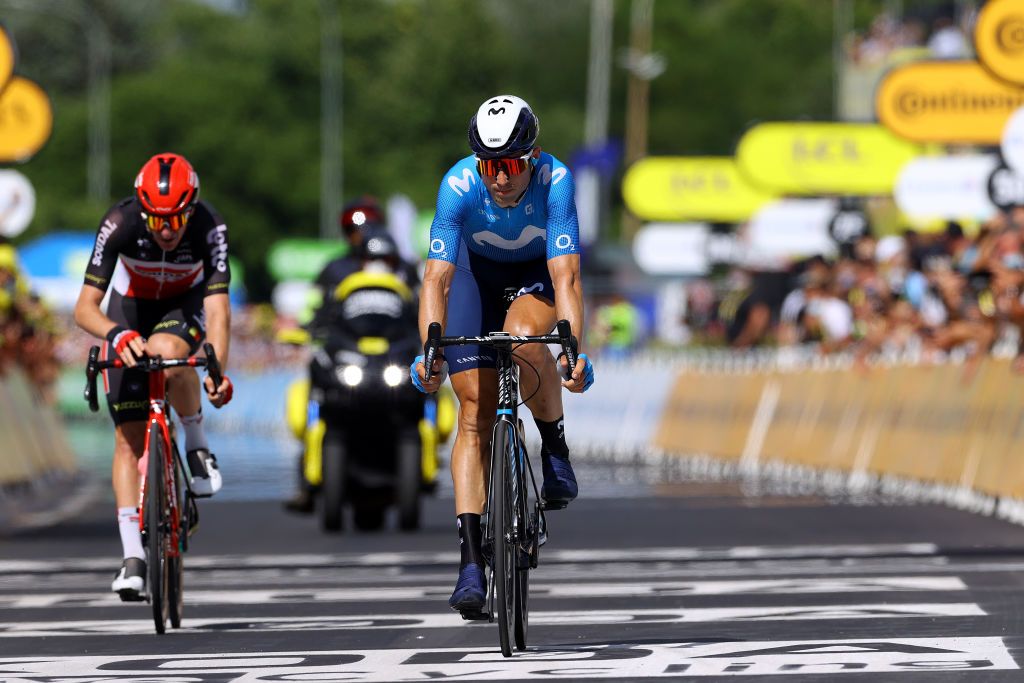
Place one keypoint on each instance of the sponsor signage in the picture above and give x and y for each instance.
(1012, 144)
(673, 248)
(946, 187)
(999, 39)
(17, 203)
(8, 56)
(1006, 187)
(690, 188)
(946, 102)
(823, 158)
(792, 227)
(26, 120)
(302, 258)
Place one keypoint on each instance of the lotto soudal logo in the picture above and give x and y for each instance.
(219, 253)
(101, 241)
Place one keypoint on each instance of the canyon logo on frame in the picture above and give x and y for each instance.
(999, 39)
(823, 158)
(956, 102)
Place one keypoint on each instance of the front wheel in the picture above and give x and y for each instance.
(334, 484)
(504, 545)
(176, 563)
(156, 529)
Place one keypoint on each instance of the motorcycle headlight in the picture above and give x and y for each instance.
(393, 375)
(351, 375)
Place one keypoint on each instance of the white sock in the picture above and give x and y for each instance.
(131, 537)
(195, 437)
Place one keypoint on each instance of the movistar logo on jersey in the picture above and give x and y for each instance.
(529, 234)
(462, 185)
(547, 176)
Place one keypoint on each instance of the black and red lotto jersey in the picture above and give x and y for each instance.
(126, 254)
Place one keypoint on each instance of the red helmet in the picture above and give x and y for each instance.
(361, 212)
(167, 185)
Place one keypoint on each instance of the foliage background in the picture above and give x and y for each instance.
(235, 86)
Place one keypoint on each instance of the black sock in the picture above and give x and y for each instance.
(469, 538)
(552, 436)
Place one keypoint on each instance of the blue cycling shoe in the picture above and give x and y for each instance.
(559, 481)
(471, 590)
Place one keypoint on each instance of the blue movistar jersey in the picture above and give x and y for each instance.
(543, 223)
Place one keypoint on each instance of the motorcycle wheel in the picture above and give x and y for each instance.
(334, 484)
(409, 479)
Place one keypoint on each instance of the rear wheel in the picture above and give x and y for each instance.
(409, 480)
(156, 529)
(522, 602)
(334, 485)
(504, 548)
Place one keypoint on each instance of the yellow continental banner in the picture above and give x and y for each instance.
(947, 102)
(26, 120)
(926, 423)
(999, 39)
(823, 158)
(8, 56)
(690, 188)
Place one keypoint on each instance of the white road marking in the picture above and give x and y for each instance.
(667, 554)
(452, 620)
(670, 660)
(537, 590)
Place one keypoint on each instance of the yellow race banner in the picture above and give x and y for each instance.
(999, 39)
(823, 158)
(26, 120)
(947, 102)
(690, 188)
(8, 56)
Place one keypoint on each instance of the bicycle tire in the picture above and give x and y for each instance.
(505, 552)
(156, 507)
(334, 484)
(522, 602)
(176, 563)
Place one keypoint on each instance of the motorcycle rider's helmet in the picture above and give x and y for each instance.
(360, 213)
(379, 249)
(167, 187)
(504, 126)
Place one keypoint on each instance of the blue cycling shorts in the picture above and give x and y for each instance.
(476, 303)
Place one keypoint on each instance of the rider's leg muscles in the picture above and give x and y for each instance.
(129, 444)
(477, 391)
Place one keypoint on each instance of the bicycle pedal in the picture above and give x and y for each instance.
(554, 505)
(132, 596)
(475, 615)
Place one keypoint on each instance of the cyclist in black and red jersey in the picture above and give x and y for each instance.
(165, 253)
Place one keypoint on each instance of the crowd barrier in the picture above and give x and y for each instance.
(935, 431)
(40, 482)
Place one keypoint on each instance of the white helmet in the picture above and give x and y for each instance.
(504, 126)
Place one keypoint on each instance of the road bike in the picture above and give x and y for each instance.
(168, 511)
(514, 525)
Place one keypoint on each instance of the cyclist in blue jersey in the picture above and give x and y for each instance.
(506, 217)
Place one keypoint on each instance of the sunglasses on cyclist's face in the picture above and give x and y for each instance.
(511, 167)
(175, 221)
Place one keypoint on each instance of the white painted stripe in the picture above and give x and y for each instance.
(452, 620)
(537, 590)
(670, 554)
(669, 660)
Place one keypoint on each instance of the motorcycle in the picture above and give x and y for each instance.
(370, 438)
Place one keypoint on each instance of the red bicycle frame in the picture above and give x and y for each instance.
(157, 419)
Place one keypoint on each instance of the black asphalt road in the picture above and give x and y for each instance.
(702, 584)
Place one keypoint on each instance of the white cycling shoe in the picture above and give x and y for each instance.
(206, 479)
(130, 581)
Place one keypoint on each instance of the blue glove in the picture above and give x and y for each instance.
(588, 371)
(415, 376)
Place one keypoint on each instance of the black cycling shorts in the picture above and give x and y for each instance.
(128, 390)
(476, 302)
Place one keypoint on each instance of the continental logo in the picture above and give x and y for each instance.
(106, 230)
(999, 39)
(952, 102)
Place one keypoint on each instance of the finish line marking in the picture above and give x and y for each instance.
(675, 660)
(537, 590)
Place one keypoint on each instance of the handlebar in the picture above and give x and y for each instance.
(147, 364)
(435, 341)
